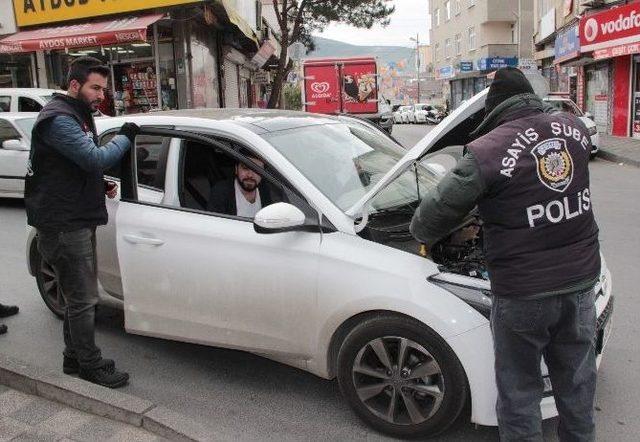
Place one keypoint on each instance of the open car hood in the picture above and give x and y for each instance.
(454, 130)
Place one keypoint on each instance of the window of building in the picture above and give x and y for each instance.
(457, 7)
(436, 17)
(447, 48)
(458, 43)
(436, 52)
(514, 33)
(472, 38)
(447, 10)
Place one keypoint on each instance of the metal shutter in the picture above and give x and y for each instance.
(231, 84)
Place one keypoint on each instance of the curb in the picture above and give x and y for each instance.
(617, 158)
(100, 401)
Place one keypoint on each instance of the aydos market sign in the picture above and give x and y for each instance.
(35, 12)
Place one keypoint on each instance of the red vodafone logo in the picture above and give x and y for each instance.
(591, 29)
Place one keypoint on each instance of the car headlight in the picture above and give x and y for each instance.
(477, 298)
(593, 130)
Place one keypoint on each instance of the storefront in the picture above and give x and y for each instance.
(16, 70)
(610, 39)
(166, 58)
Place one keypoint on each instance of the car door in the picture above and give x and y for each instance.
(13, 163)
(197, 276)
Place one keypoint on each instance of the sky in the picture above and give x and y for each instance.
(409, 18)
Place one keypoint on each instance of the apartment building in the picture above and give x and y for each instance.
(590, 51)
(471, 38)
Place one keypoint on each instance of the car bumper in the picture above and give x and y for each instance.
(475, 351)
(595, 142)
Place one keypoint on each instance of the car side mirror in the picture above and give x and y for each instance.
(588, 115)
(277, 218)
(14, 145)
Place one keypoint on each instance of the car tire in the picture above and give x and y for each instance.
(435, 396)
(47, 283)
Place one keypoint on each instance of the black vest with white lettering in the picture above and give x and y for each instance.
(540, 234)
(59, 194)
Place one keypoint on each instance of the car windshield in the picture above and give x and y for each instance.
(345, 160)
(565, 106)
(26, 124)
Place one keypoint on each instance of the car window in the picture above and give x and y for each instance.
(26, 124)
(343, 161)
(7, 131)
(5, 103)
(26, 104)
(46, 98)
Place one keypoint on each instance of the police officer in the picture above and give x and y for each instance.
(65, 202)
(527, 171)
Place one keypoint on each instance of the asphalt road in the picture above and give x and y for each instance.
(240, 396)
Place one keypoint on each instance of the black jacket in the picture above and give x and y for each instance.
(222, 198)
(59, 194)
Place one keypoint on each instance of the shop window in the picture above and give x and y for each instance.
(7, 132)
(26, 104)
(5, 103)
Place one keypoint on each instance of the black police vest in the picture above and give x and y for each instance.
(540, 234)
(59, 194)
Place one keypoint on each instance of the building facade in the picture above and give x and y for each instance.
(163, 54)
(472, 38)
(590, 52)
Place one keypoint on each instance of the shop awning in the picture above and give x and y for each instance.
(238, 21)
(122, 30)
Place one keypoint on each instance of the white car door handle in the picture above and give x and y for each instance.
(134, 239)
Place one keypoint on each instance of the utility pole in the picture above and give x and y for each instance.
(417, 40)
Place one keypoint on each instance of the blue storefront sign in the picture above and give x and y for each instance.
(466, 66)
(567, 45)
(445, 72)
(490, 63)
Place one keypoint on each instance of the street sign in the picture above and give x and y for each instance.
(293, 77)
(296, 51)
(262, 77)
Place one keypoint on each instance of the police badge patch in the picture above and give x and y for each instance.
(555, 165)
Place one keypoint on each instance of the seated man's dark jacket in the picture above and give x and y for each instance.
(223, 197)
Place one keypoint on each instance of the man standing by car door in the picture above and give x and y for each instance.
(527, 171)
(65, 202)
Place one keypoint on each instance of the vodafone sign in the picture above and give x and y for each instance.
(613, 27)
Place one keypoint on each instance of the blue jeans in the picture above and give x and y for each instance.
(73, 258)
(562, 329)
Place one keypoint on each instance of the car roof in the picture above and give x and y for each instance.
(28, 90)
(257, 120)
(17, 115)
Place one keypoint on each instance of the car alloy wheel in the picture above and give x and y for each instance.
(398, 380)
(401, 377)
(47, 282)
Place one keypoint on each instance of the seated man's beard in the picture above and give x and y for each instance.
(248, 184)
(92, 104)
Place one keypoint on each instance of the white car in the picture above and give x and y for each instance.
(15, 142)
(328, 279)
(25, 99)
(421, 111)
(567, 105)
(401, 115)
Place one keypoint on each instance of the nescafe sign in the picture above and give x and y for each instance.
(615, 26)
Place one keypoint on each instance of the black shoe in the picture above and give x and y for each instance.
(102, 376)
(71, 365)
(3, 329)
(8, 310)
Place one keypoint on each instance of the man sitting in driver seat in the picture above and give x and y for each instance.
(243, 195)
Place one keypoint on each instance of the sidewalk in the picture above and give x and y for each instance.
(25, 417)
(620, 149)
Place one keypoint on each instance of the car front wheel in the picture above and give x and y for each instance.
(401, 378)
(47, 282)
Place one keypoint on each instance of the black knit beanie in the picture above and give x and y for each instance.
(506, 83)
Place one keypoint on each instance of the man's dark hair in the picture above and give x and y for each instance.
(81, 67)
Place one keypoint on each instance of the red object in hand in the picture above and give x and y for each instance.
(110, 189)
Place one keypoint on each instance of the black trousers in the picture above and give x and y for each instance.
(560, 328)
(73, 258)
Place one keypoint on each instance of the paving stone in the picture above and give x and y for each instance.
(36, 411)
(12, 400)
(34, 435)
(65, 423)
(11, 428)
(97, 429)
